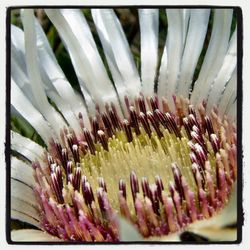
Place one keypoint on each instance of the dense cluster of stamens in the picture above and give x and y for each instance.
(161, 170)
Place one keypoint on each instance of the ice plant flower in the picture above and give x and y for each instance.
(156, 149)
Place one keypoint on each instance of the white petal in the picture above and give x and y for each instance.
(30, 235)
(51, 73)
(196, 33)
(231, 111)
(22, 171)
(225, 73)
(40, 98)
(149, 29)
(215, 54)
(75, 33)
(29, 112)
(23, 192)
(21, 209)
(127, 232)
(26, 147)
(119, 82)
(24, 217)
(55, 74)
(108, 24)
(227, 95)
(185, 23)
(217, 234)
(173, 237)
(174, 45)
(65, 109)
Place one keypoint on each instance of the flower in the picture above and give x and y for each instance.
(155, 150)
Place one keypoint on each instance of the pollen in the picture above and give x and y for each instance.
(161, 169)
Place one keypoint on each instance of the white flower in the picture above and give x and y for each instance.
(203, 126)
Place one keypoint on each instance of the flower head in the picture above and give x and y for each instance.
(157, 149)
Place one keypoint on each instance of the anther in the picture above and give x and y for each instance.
(102, 184)
(57, 187)
(155, 124)
(87, 192)
(145, 124)
(134, 120)
(95, 128)
(160, 187)
(89, 140)
(127, 128)
(77, 177)
(142, 105)
(191, 110)
(215, 142)
(177, 179)
(75, 152)
(145, 187)
(122, 188)
(114, 117)
(187, 127)
(102, 139)
(107, 125)
(65, 158)
(209, 126)
(154, 103)
(134, 184)
(162, 119)
(69, 170)
(173, 124)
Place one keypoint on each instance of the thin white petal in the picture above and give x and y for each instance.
(230, 90)
(225, 73)
(29, 112)
(24, 217)
(55, 74)
(36, 84)
(232, 109)
(149, 29)
(22, 208)
(26, 147)
(65, 109)
(173, 237)
(31, 235)
(215, 54)
(119, 82)
(186, 17)
(194, 43)
(52, 76)
(108, 24)
(22, 171)
(127, 232)
(217, 234)
(174, 46)
(75, 33)
(23, 192)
